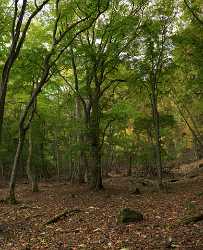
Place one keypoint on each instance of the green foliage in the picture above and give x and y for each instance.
(122, 50)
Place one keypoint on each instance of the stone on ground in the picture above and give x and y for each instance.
(127, 215)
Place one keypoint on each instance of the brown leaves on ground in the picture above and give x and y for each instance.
(23, 226)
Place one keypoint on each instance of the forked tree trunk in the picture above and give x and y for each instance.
(21, 139)
(92, 121)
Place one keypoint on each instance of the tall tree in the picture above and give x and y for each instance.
(19, 27)
(100, 51)
(60, 30)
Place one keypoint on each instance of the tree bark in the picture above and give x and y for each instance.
(157, 133)
(129, 173)
(3, 91)
(2, 169)
(12, 184)
(31, 169)
(78, 117)
(28, 165)
(95, 149)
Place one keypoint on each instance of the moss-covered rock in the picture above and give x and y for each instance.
(127, 215)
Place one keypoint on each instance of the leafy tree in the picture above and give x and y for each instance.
(19, 25)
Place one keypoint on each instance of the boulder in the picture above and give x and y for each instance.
(127, 215)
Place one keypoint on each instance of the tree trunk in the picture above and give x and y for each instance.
(35, 186)
(130, 166)
(31, 169)
(44, 170)
(23, 127)
(80, 139)
(82, 168)
(12, 184)
(96, 173)
(3, 91)
(157, 134)
(28, 166)
(57, 154)
(95, 150)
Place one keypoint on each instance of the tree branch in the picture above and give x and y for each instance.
(195, 15)
(104, 132)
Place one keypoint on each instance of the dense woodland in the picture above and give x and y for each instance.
(92, 90)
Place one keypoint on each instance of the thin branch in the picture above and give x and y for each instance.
(185, 120)
(195, 15)
(73, 89)
(14, 19)
(72, 39)
(27, 25)
(104, 131)
(16, 31)
(58, 15)
(110, 85)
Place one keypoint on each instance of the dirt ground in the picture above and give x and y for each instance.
(22, 226)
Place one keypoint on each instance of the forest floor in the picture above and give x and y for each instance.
(22, 226)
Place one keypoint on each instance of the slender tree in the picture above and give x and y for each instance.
(19, 28)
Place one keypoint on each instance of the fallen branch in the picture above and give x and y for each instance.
(60, 216)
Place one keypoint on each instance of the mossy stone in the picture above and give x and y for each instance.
(127, 215)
